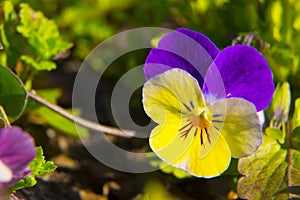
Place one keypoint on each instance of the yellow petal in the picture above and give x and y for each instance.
(167, 142)
(209, 141)
(212, 165)
(202, 159)
(169, 95)
(239, 125)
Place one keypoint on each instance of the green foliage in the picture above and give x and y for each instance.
(39, 167)
(296, 138)
(154, 189)
(43, 38)
(178, 173)
(88, 24)
(273, 171)
(296, 117)
(30, 37)
(13, 95)
(156, 162)
(30, 41)
(42, 65)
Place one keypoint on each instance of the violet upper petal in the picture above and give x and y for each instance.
(204, 41)
(17, 148)
(184, 49)
(245, 74)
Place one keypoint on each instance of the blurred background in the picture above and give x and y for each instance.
(85, 24)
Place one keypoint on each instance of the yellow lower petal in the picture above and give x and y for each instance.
(212, 165)
(207, 160)
(166, 141)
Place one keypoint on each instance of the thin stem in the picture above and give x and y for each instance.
(4, 117)
(290, 156)
(80, 121)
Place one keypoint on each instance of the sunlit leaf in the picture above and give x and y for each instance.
(13, 43)
(39, 167)
(168, 169)
(296, 138)
(276, 16)
(154, 189)
(272, 172)
(276, 133)
(296, 117)
(42, 65)
(283, 59)
(13, 96)
(9, 12)
(42, 34)
(178, 173)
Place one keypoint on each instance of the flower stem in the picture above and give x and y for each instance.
(81, 121)
(4, 117)
(290, 156)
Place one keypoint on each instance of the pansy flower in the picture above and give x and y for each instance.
(203, 122)
(17, 149)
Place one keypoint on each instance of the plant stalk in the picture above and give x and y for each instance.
(81, 121)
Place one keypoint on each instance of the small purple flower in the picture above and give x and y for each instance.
(17, 149)
(236, 71)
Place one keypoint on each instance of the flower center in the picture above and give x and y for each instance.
(200, 121)
(197, 124)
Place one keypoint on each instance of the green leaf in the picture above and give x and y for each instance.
(272, 172)
(296, 117)
(178, 173)
(154, 189)
(276, 134)
(13, 96)
(280, 105)
(296, 138)
(13, 42)
(42, 34)
(168, 169)
(9, 12)
(39, 167)
(42, 65)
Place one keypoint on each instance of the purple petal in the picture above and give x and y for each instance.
(18, 176)
(245, 74)
(204, 41)
(184, 49)
(213, 87)
(17, 149)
